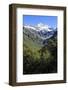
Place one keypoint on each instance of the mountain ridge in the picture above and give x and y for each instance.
(40, 35)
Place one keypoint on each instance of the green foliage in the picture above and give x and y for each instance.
(38, 59)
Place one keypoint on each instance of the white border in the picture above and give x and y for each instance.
(38, 77)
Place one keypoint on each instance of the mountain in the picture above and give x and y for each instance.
(39, 33)
(39, 49)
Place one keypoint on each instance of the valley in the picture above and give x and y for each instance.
(39, 50)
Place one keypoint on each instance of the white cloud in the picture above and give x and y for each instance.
(42, 26)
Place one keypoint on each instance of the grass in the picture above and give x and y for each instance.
(32, 45)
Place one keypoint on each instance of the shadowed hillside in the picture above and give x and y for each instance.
(39, 52)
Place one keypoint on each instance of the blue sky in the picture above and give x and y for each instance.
(35, 19)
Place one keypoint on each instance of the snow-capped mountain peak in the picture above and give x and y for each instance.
(39, 27)
(30, 27)
(42, 26)
(41, 31)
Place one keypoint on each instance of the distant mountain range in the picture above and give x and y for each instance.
(40, 33)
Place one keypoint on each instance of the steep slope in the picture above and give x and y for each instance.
(30, 42)
(38, 36)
